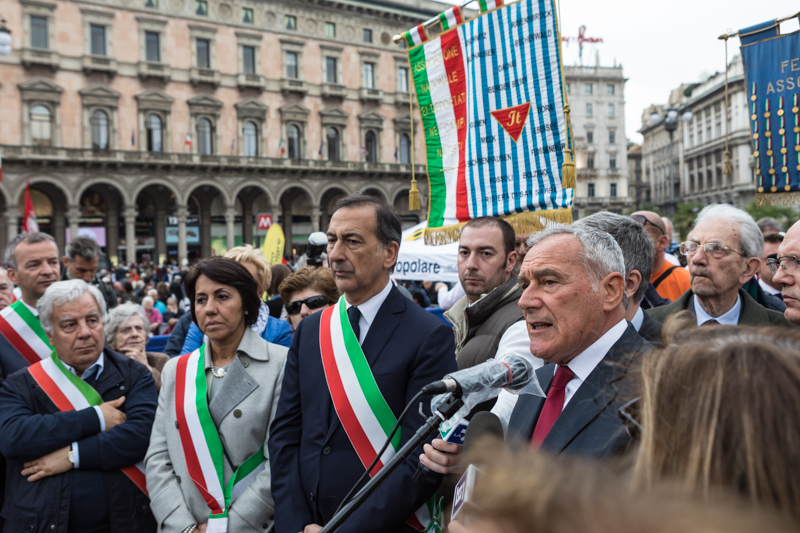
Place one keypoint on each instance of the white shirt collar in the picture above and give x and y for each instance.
(766, 288)
(100, 363)
(31, 309)
(637, 319)
(369, 310)
(731, 318)
(585, 362)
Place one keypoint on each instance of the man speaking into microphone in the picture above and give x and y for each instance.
(349, 374)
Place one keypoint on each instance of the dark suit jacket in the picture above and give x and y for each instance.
(313, 463)
(589, 425)
(650, 330)
(753, 314)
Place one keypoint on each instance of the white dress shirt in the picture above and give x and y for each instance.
(99, 364)
(638, 319)
(31, 309)
(731, 318)
(369, 310)
(766, 288)
(447, 298)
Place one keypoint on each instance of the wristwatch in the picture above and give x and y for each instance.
(71, 456)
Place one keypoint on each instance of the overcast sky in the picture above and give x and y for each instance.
(661, 44)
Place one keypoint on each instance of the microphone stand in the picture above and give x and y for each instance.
(445, 410)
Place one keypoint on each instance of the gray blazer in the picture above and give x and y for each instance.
(243, 408)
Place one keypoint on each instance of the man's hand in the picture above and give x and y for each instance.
(443, 457)
(53, 463)
(312, 528)
(456, 527)
(202, 528)
(111, 412)
(439, 286)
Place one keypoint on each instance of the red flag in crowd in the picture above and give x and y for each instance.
(29, 224)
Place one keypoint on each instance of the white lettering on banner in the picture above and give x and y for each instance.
(419, 266)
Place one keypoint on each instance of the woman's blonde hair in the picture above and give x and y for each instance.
(719, 408)
(248, 254)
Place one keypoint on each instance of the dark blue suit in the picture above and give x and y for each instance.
(313, 463)
(589, 425)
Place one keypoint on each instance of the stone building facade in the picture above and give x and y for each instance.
(173, 123)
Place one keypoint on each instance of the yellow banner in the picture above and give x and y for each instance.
(272, 249)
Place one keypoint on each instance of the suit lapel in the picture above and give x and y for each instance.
(526, 411)
(235, 387)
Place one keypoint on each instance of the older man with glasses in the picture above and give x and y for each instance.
(723, 252)
(668, 279)
(786, 272)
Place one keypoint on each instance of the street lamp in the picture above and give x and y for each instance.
(5, 38)
(670, 124)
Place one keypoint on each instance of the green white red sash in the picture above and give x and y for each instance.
(362, 409)
(70, 393)
(202, 446)
(24, 332)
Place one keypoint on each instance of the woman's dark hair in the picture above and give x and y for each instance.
(227, 272)
(279, 273)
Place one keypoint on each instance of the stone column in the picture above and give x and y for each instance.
(205, 226)
(247, 221)
(59, 226)
(316, 214)
(12, 221)
(182, 213)
(130, 214)
(160, 228)
(230, 217)
(287, 227)
(112, 230)
(73, 217)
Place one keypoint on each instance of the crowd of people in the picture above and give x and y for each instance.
(669, 382)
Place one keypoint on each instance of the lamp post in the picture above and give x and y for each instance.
(670, 124)
(5, 38)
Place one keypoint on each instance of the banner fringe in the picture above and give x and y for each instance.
(778, 199)
(528, 222)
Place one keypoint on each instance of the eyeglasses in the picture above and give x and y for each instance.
(314, 302)
(712, 249)
(628, 413)
(643, 220)
(788, 264)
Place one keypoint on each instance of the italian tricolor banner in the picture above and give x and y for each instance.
(366, 417)
(492, 104)
(70, 393)
(202, 446)
(451, 18)
(24, 332)
(415, 36)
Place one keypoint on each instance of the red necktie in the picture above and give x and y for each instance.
(552, 405)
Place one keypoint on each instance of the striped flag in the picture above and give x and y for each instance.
(451, 18)
(489, 5)
(415, 36)
(188, 140)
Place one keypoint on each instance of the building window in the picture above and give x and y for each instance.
(612, 137)
(371, 145)
(98, 39)
(250, 135)
(41, 125)
(154, 129)
(39, 32)
(152, 4)
(249, 59)
(293, 144)
(569, 88)
(591, 190)
(247, 15)
(590, 137)
(203, 55)
(291, 22)
(611, 110)
(613, 189)
(587, 88)
(612, 161)
(332, 136)
(330, 70)
(405, 149)
(99, 130)
(369, 75)
(330, 29)
(205, 144)
(291, 65)
(152, 46)
(590, 162)
(588, 110)
(610, 89)
(402, 79)
(201, 8)
(367, 35)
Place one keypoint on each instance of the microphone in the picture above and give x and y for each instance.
(483, 424)
(507, 371)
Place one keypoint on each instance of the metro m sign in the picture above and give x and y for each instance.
(264, 222)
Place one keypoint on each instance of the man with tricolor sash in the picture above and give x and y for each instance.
(32, 260)
(351, 370)
(74, 427)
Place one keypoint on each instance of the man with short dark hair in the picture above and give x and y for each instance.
(772, 242)
(669, 280)
(393, 346)
(80, 262)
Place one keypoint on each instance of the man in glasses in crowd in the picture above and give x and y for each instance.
(723, 252)
(786, 272)
(669, 280)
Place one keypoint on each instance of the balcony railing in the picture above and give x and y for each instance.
(37, 56)
(99, 64)
(148, 69)
(204, 75)
(371, 95)
(251, 81)
(332, 90)
(294, 86)
(50, 154)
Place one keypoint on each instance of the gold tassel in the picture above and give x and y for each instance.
(528, 222)
(727, 168)
(568, 173)
(413, 197)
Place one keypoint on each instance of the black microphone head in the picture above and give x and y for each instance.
(483, 424)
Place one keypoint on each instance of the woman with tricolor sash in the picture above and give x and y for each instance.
(207, 468)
